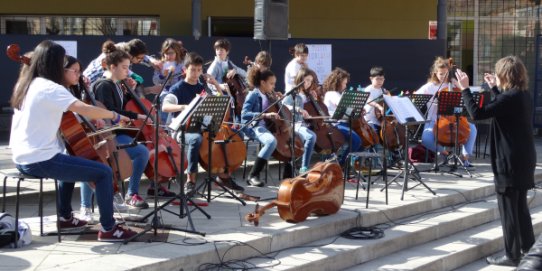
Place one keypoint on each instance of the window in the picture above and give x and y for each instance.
(79, 25)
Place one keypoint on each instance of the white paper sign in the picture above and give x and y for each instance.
(320, 60)
(70, 46)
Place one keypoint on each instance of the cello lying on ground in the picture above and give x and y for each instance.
(320, 191)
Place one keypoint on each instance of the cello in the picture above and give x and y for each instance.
(450, 127)
(238, 90)
(227, 156)
(320, 191)
(282, 130)
(446, 126)
(328, 138)
(169, 152)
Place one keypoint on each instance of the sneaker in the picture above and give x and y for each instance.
(231, 184)
(117, 234)
(190, 189)
(136, 201)
(85, 214)
(468, 165)
(118, 203)
(162, 192)
(72, 224)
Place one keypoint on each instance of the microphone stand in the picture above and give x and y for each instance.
(259, 116)
(155, 220)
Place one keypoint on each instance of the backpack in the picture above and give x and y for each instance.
(8, 235)
(419, 154)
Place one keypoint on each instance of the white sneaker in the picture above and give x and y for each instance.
(86, 215)
(118, 203)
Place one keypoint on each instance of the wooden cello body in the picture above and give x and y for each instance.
(169, 152)
(446, 126)
(320, 192)
(328, 138)
(282, 130)
(225, 157)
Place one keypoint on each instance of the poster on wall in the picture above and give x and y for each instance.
(69, 45)
(320, 60)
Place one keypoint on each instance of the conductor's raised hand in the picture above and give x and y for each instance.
(490, 79)
(462, 81)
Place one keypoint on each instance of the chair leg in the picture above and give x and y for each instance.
(57, 211)
(369, 182)
(17, 211)
(40, 207)
(4, 193)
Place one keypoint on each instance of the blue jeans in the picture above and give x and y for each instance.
(309, 139)
(428, 139)
(267, 139)
(139, 155)
(356, 142)
(71, 169)
(193, 143)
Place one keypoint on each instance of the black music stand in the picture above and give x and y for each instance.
(451, 104)
(351, 106)
(208, 116)
(420, 102)
(407, 114)
(183, 206)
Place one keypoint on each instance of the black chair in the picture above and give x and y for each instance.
(22, 177)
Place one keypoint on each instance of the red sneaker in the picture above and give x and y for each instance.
(117, 234)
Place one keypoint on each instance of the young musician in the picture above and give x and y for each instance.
(179, 96)
(375, 90)
(221, 65)
(173, 55)
(39, 102)
(301, 54)
(72, 81)
(110, 92)
(334, 86)
(301, 127)
(262, 62)
(513, 154)
(137, 51)
(255, 102)
(438, 81)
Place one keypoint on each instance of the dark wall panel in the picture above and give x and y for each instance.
(406, 61)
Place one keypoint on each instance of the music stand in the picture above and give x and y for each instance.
(407, 114)
(209, 115)
(351, 106)
(183, 206)
(420, 101)
(451, 104)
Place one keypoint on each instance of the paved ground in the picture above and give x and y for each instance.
(226, 223)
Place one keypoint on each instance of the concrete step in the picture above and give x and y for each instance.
(451, 252)
(481, 265)
(406, 239)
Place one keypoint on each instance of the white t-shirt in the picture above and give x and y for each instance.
(290, 73)
(331, 100)
(431, 88)
(34, 129)
(370, 115)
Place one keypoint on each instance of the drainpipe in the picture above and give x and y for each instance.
(196, 19)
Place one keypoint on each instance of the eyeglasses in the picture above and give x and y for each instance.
(76, 72)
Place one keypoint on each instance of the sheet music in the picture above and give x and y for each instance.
(403, 109)
(179, 119)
